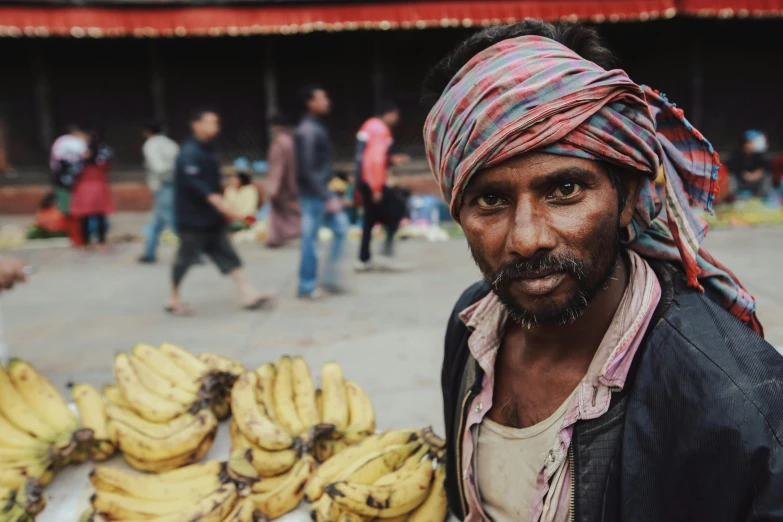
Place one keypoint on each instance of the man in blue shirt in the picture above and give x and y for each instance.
(201, 215)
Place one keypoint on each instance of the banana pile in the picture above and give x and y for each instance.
(279, 415)
(396, 475)
(208, 492)
(163, 411)
(39, 433)
(21, 505)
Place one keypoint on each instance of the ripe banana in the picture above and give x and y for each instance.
(375, 465)
(191, 472)
(10, 456)
(267, 484)
(330, 469)
(151, 429)
(114, 396)
(19, 413)
(143, 446)
(150, 406)
(435, 508)
(14, 475)
(211, 508)
(92, 411)
(41, 395)
(188, 362)
(304, 393)
(362, 414)
(150, 487)
(254, 424)
(16, 514)
(285, 408)
(158, 466)
(324, 510)
(244, 511)
(13, 437)
(30, 497)
(406, 469)
(165, 368)
(267, 463)
(265, 394)
(222, 364)
(288, 495)
(384, 501)
(116, 506)
(88, 516)
(348, 516)
(239, 468)
(160, 386)
(325, 449)
(334, 396)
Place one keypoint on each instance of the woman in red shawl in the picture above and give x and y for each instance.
(284, 217)
(91, 197)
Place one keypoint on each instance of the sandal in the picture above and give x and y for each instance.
(181, 309)
(258, 302)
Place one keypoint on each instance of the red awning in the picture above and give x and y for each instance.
(244, 20)
(731, 8)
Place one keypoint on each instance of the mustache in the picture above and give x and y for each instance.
(539, 266)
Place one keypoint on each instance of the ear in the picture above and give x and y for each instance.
(632, 183)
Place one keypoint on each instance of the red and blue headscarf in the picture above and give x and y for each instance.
(532, 93)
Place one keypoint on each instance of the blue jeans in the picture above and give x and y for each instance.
(313, 216)
(162, 217)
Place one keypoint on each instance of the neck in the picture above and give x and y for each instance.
(579, 340)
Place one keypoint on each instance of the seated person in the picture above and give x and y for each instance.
(242, 198)
(49, 221)
(749, 169)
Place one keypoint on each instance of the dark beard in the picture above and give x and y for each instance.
(592, 278)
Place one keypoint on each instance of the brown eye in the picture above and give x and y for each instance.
(567, 190)
(488, 201)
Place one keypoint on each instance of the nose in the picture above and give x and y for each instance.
(531, 234)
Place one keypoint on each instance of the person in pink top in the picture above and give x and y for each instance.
(608, 368)
(91, 199)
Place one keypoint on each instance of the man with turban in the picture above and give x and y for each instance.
(608, 368)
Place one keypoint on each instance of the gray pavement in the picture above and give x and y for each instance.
(79, 310)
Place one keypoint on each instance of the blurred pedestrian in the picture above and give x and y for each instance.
(373, 159)
(202, 215)
(319, 205)
(284, 216)
(65, 160)
(160, 155)
(749, 170)
(91, 200)
(241, 196)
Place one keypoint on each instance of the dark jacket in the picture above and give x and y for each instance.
(313, 159)
(196, 177)
(694, 436)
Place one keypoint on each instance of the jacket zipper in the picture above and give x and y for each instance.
(572, 515)
(460, 472)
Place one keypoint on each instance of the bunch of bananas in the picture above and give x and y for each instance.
(208, 492)
(397, 475)
(21, 505)
(163, 411)
(38, 431)
(278, 415)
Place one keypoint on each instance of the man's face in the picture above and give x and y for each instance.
(392, 118)
(319, 104)
(544, 231)
(208, 127)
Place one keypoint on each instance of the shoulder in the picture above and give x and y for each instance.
(473, 294)
(717, 362)
(190, 149)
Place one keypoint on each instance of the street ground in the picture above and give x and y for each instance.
(387, 333)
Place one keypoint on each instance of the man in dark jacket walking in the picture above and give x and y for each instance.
(609, 369)
(201, 215)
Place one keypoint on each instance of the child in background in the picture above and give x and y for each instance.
(342, 185)
(242, 196)
(49, 221)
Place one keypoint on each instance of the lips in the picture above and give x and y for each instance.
(540, 285)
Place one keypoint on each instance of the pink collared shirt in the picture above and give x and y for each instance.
(607, 373)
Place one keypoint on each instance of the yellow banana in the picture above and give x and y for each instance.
(191, 472)
(319, 402)
(375, 465)
(362, 414)
(116, 506)
(254, 424)
(288, 495)
(19, 413)
(285, 409)
(13, 437)
(222, 364)
(16, 514)
(406, 469)
(159, 363)
(151, 429)
(187, 362)
(172, 463)
(10, 456)
(160, 386)
(384, 501)
(149, 487)
(30, 497)
(349, 516)
(267, 484)
(325, 510)
(334, 396)
(16, 474)
(265, 385)
(244, 511)
(436, 507)
(304, 393)
(330, 469)
(212, 508)
(41, 395)
(325, 449)
(220, 407)
(92, 410)
(267, 463)
(400, 518)
(145, 447)
(147, 404)
(88, 515)
(114, 396)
